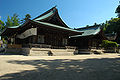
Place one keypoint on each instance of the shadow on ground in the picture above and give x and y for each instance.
(66, 69)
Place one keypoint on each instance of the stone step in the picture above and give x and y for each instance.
(41, 51)
(55, 52)
(63, 54)
(38, 53)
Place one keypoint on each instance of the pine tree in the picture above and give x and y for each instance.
(27, 17)
(9, 22)
(13, 21)
(118, 11)
(2, 25)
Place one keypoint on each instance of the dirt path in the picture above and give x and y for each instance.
(80, 67)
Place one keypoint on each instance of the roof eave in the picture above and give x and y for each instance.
(56, 26)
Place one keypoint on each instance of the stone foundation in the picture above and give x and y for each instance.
(41, 51)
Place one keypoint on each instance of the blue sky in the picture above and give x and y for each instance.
(75, 13)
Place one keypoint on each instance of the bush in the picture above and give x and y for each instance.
(4, 41)
(107, 44)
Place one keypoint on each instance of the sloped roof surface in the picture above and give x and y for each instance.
(56, 26)
(48, 14)
(51, 16)
(88, 31)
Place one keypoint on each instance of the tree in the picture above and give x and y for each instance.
(114, 25)
(118, 11)
(13, 21)
(87, 25)
(2, 25)
(102, 25)
(27, 17)
(111, 26)
(95, 24)
(9, 22)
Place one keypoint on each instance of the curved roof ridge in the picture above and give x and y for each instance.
(51, 16)
(45, 13)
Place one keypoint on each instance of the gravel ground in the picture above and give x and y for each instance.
(79, 67)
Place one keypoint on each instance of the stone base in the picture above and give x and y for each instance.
(41, 51)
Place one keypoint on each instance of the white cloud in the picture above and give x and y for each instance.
(0, 17)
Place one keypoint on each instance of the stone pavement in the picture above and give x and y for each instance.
(80, 67)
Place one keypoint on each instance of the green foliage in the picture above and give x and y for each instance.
(9, 22)
(27, 17)
(118, 11)
(95, 24)
(13, 21)
(107, 44)
(4, 41)
(2, 25)
(87, 25)
(111, 26)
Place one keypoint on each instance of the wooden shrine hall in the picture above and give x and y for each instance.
(46, 30)
(91, 38)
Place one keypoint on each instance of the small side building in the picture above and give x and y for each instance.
(92, 37)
